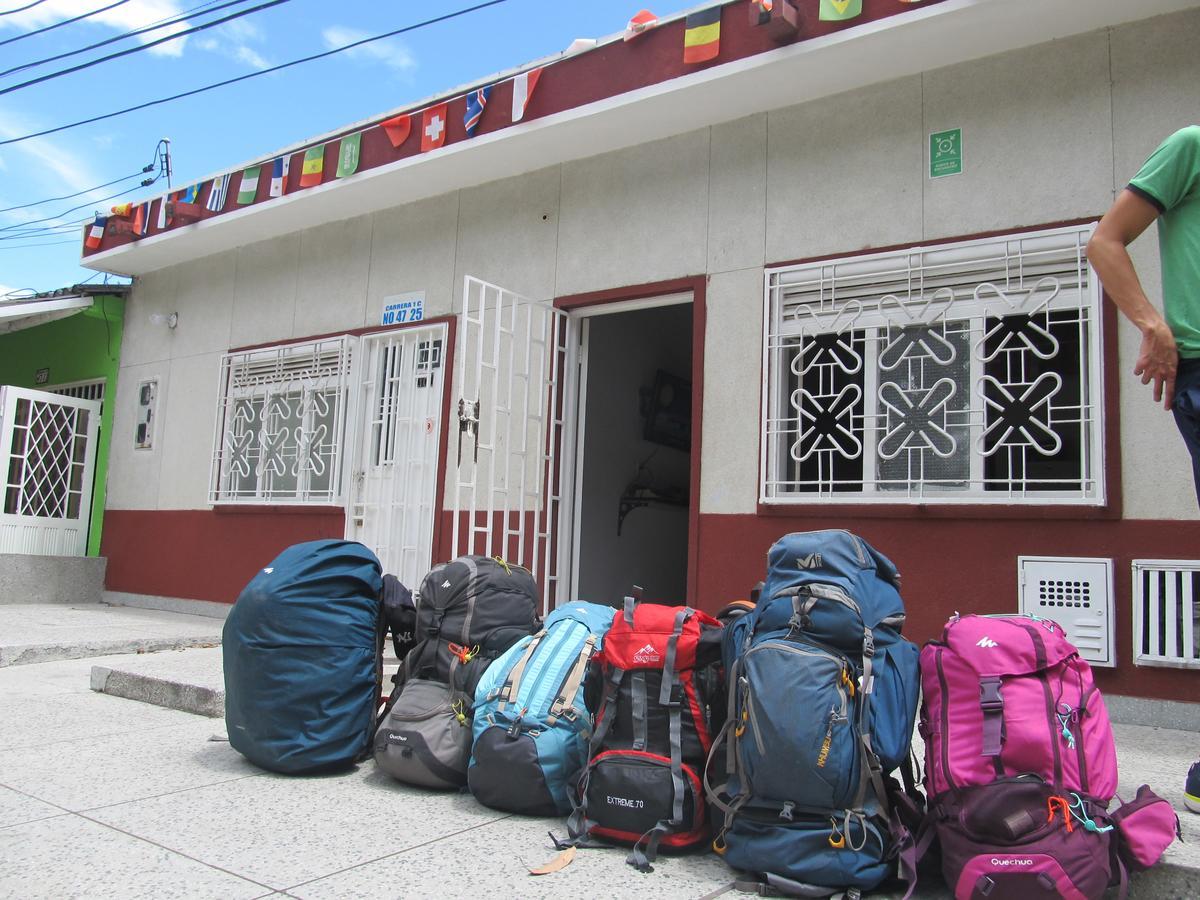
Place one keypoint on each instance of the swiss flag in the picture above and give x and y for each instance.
(433, 127)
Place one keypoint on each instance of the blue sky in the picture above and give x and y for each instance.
(227, 126)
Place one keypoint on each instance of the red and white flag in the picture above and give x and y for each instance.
(641, 22)
(397, 128)
(433, 127)
(523, 87)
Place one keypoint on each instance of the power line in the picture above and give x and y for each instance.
(98, 187)
(48, 244)
(138, 49)
(24, 225)
(153, 26)
(9, 12)
(87, 15)
(255, 74)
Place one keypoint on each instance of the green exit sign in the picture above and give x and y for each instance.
(945, 153)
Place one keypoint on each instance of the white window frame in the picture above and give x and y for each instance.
(267, 376)
(873, 296)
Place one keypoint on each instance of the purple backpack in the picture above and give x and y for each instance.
(1020, 763)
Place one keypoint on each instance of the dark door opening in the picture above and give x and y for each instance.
(634, 466)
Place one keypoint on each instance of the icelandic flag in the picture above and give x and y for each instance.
(279, 175)
(523, 87)
(216, 194)
(476, 101)
(96, 233)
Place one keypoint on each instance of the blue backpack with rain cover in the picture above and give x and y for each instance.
(302, 651)
(531, 721)
(822, 698)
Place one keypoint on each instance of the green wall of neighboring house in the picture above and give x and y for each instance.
(82, 347)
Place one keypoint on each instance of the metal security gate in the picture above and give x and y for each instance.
(48, 454)
(507, 486)
(394, 477)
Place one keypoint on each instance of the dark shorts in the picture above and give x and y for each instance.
(1187, 412)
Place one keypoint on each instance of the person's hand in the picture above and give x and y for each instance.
(1157, 361)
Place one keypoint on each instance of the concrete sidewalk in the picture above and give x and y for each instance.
(102, 797)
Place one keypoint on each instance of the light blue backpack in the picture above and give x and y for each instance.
(531, 722)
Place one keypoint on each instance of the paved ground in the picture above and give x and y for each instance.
(105, 797)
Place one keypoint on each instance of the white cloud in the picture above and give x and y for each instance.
(126, 17)
(50, 170)
(232, 40)
(251, 58)
(391, 53)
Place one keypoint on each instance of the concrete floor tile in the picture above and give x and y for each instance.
(283, 831)
(1160, 757)
(500, 854)
(68, 857)
(17, 808)
(48, 679)
(39, 721)
(86, 773)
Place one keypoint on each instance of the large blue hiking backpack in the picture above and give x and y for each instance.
(822, 698)
(301, 651)
(532, 722)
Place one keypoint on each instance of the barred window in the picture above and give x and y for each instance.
(965, 372)
(281, 424)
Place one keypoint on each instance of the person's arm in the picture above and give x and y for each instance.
(1158, 358)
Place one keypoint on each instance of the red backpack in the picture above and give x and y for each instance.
(643, 784)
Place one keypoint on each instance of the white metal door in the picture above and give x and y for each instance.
(507, 486)
(48, 455)
(394, 477)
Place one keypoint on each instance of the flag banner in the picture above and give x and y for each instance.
(248, 189)
(641, 22)
(523, 87)
(433, 127)
(314, 166)
(124, 210)
(96, 233)
(476, 103)
(839, 10)
(760, 11)
(217, 192)
(279, 175)
(190, 194)
(348, 155)
(702, 35)
(164, 211)
(141, 219)
(397, 128)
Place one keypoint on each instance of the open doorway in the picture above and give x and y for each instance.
(633, 461)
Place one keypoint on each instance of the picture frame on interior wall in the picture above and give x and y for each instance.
(147, 414)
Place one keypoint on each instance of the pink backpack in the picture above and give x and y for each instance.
(1009, 696)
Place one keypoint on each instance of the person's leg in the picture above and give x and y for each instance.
(1187, 413)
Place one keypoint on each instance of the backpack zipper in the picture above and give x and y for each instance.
(945, 719)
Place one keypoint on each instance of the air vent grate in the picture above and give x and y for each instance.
(1075, 593)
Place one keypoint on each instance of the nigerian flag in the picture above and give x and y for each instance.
(840, 10)
(249, 186)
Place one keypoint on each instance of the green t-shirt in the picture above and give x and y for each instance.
(1170, 179)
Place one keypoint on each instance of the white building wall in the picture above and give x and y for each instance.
(1050, 133)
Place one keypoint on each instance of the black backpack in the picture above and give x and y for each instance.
(469, 611)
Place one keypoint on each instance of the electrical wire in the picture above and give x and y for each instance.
(47, 244)
(255, 74)
(98, 187)
(9, 12)
(23, 225)
(140, 47)
(153, 26)
(87, 15)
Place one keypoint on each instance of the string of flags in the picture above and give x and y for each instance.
(701, 44)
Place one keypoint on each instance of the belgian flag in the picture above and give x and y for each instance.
(702, 35)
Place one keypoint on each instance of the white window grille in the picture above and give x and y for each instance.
(281, 424)
(957, 373)
(1166, 613)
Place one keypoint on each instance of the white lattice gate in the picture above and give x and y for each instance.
(393, 482)
(48, 453)
(506, 486)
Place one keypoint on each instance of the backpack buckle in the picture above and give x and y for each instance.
(990, 700)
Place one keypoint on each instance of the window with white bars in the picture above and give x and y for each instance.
(956, 373)
(1166, 613)
(281, 423)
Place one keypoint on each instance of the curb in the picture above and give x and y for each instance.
(29, 654)
(191, 698)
